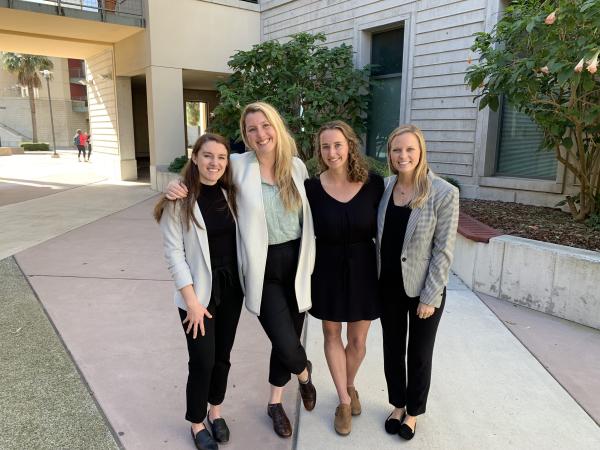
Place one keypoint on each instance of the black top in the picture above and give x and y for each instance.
(220, 225)
(344, 281)
(392, 240)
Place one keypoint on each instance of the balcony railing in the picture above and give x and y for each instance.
(114, 11)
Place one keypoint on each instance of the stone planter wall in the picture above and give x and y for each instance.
(555, 279)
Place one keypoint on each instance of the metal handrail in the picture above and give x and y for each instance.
(129, 8)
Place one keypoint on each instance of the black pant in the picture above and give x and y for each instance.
(81, 149)
(209, 354)
(397, 309)
(279, 314)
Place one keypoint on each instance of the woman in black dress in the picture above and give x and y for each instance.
(344, 200)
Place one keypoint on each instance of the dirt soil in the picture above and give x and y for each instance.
(533, 222)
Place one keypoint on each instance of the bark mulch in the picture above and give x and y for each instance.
(533, 222)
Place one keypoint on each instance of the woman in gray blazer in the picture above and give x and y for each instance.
(200, 242)
(278, 247)
(417, 222)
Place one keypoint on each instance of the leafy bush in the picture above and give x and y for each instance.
(177, 164)
(307, 82)
(542, 58)
(38, 146)
(376, 166)
(594, 222)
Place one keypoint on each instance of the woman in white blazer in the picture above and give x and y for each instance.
(278, 247)
(417, 222)
(200, 243)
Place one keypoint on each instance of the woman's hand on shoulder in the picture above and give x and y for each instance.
(425, 311)
(195, 318)
(176, 190)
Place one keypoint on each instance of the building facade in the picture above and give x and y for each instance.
(152, 65)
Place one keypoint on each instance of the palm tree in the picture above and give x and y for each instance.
(27, 68)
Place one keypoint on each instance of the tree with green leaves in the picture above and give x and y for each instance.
(27, 68)
(542, 58)
(307, 82)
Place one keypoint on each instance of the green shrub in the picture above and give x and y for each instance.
(453, 181)
(38, 146)
(594, 222)
(177, 164)
(376, 166)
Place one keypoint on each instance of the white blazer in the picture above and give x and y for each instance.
(254, 237)
(428, 245)
(187, 254)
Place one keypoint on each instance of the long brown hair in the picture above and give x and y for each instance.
(191, 178)
(357, 165)
(284, 152)
(421, 183)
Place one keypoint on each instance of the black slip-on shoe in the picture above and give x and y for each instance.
(220, 430)
(203, 440)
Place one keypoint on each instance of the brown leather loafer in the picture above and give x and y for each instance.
(281, 423)
(354, 401)
(308, 391)
(343, 420)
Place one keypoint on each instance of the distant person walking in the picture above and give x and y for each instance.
(89, 146)
(80, 141)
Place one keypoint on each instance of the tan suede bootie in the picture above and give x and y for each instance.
(354, 401)
(343, 419)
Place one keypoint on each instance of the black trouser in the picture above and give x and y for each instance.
(89, 151)
(81, 149)
(209, 354)
(279, 314)
(397, 309)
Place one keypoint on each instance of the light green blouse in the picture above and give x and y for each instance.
(282, 225)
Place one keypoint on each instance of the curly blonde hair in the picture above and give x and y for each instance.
(358, 169)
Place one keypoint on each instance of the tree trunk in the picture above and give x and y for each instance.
(34, 136)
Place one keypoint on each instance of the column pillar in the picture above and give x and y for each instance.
(164, 87)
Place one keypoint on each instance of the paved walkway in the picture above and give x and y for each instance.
(103, 283)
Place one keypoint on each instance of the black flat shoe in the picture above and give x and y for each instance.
(220, 430)
(203, 440)
(406, 432)
(392, 426)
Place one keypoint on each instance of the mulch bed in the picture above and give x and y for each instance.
(533, 222)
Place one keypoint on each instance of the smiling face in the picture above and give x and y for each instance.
(334, 149)
(405, 154)
(211, 161)
(260, 134)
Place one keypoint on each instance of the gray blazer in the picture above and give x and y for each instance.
(187, 253)
(254, 236)
(429, 240)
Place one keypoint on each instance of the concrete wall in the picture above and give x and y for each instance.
(200, 35)
(555, 279)
(438, 35)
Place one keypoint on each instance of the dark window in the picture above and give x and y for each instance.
(519, 143)
(384, 113)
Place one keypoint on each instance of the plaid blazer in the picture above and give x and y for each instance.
(429, 240)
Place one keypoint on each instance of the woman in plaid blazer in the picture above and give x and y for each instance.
(417, 222)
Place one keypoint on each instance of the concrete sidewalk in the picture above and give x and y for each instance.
(487, 392)
(105, 287)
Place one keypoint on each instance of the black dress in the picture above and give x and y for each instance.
(344, 281)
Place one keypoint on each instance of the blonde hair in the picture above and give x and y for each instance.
(357, 165)
(285, 150)
(421, 183)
